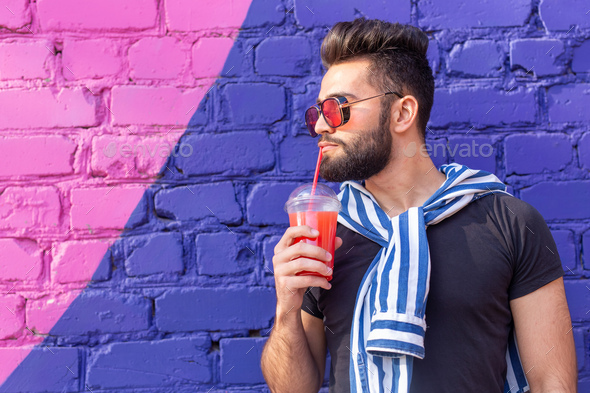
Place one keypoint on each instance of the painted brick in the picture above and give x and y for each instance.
(265, 13)
(269, 252)
(224, 253)
(29, 207)
(559, 200)
(168, 362)
(46, 155)
(568, 103)
(238, 61)
(527, 153)
(43, 369)
(301, 102)
(103, 15)
(202, 64)
(250, 389)
(266, 203)
(586, 250)
(94, 58)
(580, 348)
(476, 57)
(104, 207)
(133, 155)
(470, 14)
(143, 53)
(578, 299)
(12, 315)
(287, 56)
(240, 360)
(24, 59)
(160, 253)
(433, 55)
(79, 261)
(187, 15)
(145, 105)
(16, 14)
(299, 154)
(244, 102)
(116, 156)
(564, 240)
(311, 13)
(482, 107)
(563, 14)
(20, 260)
(197, 202)
(43, 108)
(138, 216)
(581, 58)
(476, 153)
(91, 311)
(537, 56)
(215, 309)
(244, 152)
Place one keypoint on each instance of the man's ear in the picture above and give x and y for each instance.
(404, 113)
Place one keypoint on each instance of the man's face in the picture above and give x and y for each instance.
(364, 142)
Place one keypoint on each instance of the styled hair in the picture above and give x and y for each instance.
(397, 54)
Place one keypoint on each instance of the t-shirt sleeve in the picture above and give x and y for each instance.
(310, 304)
(536, 260)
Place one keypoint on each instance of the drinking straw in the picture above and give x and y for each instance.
(317, 171)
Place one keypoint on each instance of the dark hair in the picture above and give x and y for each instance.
(398, 56)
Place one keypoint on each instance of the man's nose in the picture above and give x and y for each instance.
(321, 126)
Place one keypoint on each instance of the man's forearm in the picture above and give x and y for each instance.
(287, 362)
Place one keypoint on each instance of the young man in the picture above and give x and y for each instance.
(434, 269)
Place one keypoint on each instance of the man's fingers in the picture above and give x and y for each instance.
(302, 264)
(303, 282)
(292, 233)
(302, 250)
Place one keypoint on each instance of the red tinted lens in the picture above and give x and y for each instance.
(331, 111)
(311, 118)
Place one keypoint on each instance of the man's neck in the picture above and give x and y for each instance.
(405, 182)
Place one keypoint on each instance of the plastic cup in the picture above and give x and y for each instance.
(319, 211)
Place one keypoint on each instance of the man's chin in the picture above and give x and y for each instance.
(334, 177)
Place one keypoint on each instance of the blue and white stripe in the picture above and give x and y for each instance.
(388, 325)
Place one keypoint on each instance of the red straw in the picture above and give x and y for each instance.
(317, 171)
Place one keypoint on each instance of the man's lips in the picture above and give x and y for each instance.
(327, 146)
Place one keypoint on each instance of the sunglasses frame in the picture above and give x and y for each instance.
(343, 107)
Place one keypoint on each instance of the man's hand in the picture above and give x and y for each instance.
(289, 364)
(290, 259)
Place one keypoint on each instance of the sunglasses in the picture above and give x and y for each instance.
(336, 111)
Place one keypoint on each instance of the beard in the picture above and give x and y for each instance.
(361, 158)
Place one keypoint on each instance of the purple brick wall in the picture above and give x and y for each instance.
(183, 300)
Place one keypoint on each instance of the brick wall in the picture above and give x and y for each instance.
(147, 148)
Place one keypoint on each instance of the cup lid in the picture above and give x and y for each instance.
(305, 191)
(302, 194)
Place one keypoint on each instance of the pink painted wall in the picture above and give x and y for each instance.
(78, 82)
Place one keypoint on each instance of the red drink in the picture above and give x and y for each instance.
(317, 206)
(325, 222)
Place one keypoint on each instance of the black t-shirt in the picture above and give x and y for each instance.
(495, 249)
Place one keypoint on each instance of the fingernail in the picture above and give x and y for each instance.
(315, 232)
(328, 255)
